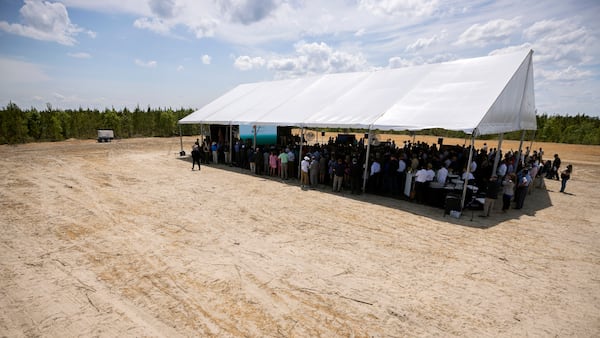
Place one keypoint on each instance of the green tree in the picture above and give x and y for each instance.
(13, 125)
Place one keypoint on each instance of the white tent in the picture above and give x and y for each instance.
(480, 96)
(486, 95)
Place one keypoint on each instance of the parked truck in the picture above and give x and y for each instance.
(105, 135)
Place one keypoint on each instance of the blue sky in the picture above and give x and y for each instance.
(185, 53)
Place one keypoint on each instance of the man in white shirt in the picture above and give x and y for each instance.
(467, 176)
(304, 178)
(501, 171)
(421, 177)
(442, 175)
(401, 173)
(401, 166)
(430, 173)
(375, 176)
(375, 168)
(473, 166)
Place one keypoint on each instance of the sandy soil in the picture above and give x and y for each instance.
(123, 239)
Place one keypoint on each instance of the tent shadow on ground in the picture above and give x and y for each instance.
(538, 200)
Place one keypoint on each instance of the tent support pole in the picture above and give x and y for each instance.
(497, 157)
(366, 163)
(203, 136)
(180, 141)
(531, 143)
(254, 139)
(464, 193)
(230, 144)
(300, 158)
(519, 154)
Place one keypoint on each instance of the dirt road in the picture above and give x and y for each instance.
(123, 239)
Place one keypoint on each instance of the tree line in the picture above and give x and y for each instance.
(577, 129)
(32, 125)
(21, 126)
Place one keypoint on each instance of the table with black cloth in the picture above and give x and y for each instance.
(435, 195)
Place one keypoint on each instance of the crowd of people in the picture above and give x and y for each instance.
(341, 166)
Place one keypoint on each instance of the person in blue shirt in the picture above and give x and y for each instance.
(522, 185)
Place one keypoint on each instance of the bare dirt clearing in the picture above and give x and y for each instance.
(123, 239)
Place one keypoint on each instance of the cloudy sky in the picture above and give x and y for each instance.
(185, 53)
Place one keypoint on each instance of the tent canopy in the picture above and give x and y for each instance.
(486, 95)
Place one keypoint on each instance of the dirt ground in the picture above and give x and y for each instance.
(122, 239)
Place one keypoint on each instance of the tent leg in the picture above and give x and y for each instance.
(300, 158)
(181, 152)
(531, 143)
(497, 157)
(230, 144)
(366, 163)
(464, 193)
(519, 154)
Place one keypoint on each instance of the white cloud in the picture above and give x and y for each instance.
(423, 43)
(491, 32)
(206, 59)
(80, 55)
(246, 11)
(512, 49)
(180, 68)
(568, 74)
(248, 63)
(404, 8)
(560, 41)
(400, 62)
(46, 21)
(162, 8)
(136, 7)
(146, 64)
(316, 58)
(155, 25)
(203, 27)
(309, 58)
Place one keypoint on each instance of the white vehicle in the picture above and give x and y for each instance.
(105, 135)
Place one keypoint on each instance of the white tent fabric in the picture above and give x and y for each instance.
(487, 95)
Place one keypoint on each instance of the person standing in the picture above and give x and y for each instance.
(196, 155)
(215, 154)
(304, 166)
(266, 166)
(508, 190)
(356, 172)
(252, 160)
(272, 164)
(401, 172)
(555, 167)
(491, 195)
(291, 163)
(338, 175)
(501, 170)
(523, 181)
(323, 169)
(442, 175)
(284, 159)
(375, 176)
(421, 184)
(205, 153)
(565, 175)
(314, 172)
